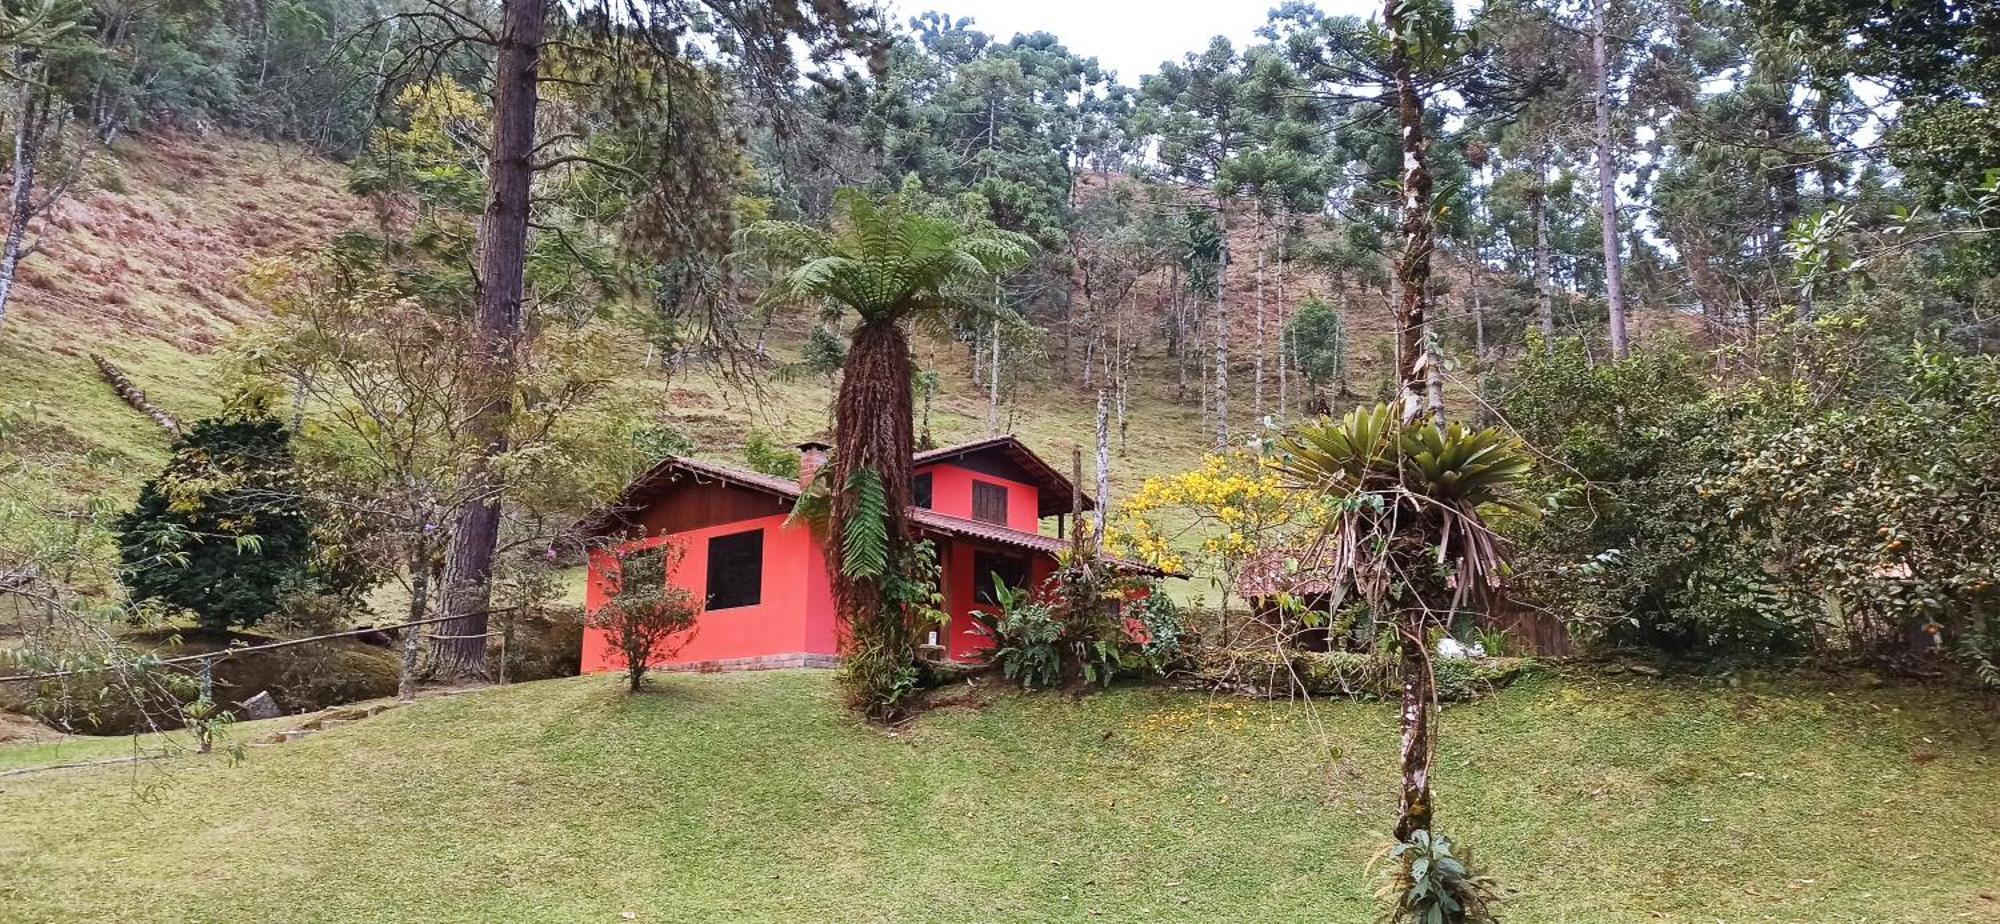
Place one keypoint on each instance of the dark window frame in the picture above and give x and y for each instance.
(921, 491)
(740, 591)
(995, 493)
(1010, 568)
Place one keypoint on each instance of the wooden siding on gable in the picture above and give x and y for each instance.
(689, 503)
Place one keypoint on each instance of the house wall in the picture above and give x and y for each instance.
(951, 494)
(794, 614)
(963, 639)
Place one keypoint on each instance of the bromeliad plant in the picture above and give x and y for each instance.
(1429, 884)
(1410, 536)
(892, 263)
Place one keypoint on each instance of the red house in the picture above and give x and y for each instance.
(769, 601)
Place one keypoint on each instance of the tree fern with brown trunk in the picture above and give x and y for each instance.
(894, 263)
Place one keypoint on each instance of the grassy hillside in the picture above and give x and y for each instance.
(753, 798)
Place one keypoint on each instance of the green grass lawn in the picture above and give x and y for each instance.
(753, 798)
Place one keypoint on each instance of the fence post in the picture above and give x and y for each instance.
(204, 730)
(506, 638)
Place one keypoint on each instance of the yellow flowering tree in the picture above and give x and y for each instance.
(1215, 519)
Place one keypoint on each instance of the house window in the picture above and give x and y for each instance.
(989, 502)
(736, 570)
(1012, 570)
(920, 490)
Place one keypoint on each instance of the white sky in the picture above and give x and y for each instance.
(1131, 37)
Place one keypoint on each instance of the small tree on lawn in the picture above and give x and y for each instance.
(646, 618)
(225, 531)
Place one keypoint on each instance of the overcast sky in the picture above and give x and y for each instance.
(1131, 37)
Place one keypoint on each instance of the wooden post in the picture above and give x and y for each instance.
(204, 729)
(1076, 498)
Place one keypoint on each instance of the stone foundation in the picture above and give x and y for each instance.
(761, 663)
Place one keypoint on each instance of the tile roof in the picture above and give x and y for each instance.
(659, 476)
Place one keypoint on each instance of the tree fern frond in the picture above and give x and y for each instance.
(864, 538)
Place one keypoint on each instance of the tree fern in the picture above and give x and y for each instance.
(864, 538)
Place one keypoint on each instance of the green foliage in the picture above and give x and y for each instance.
(1316, 340)
(1088, 624)
(661, 441)
(864, 537)
(225, 531)
(1407, 493)
(1846, 510)
(878, 667)
(1429, 884)
(646, 618)
(888, 260)
(769, 457)
(1028, 636)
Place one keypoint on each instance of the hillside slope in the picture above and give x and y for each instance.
(754, 798)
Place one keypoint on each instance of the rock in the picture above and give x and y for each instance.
(261, 706)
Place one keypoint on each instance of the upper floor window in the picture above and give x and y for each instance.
(989, 502)
(920, 491)
(736, 570)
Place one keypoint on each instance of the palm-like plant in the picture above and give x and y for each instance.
(892, 263)
(1409, 534)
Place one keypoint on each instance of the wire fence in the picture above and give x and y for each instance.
(201, 714)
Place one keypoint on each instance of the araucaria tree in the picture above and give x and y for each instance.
(224, 531)
(892, 263)
(646, 618)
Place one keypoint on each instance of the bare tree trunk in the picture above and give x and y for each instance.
(1413, 268)
(1538, 204)
(993, 384)
(1103, 467)
(503, 244)
(1415, 721)
(1284, 321)
(1263, 338)
(21, 197)
(1607, 185)
(1222, 335)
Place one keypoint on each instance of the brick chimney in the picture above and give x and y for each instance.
(812, 455)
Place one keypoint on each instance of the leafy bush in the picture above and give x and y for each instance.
(1428, 884)
(1849, 506)
(646, 617)
(224, 531)
(1087, 624)
(767, 456)
(1028, 637)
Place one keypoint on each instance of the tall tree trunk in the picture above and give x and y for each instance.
(872, 433)
(503, 245)
(1103, 468)
(1538, 206)
(1413, 271)
(21, 197)
(1263, 336)
(993, 385)
(1284, 321)
(1222, 334)
(1607, 184)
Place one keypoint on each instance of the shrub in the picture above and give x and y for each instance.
(1087, 624)
(767, 456)
(1028, 637)
(1427, 883)
(646, 617)
(224, 531)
